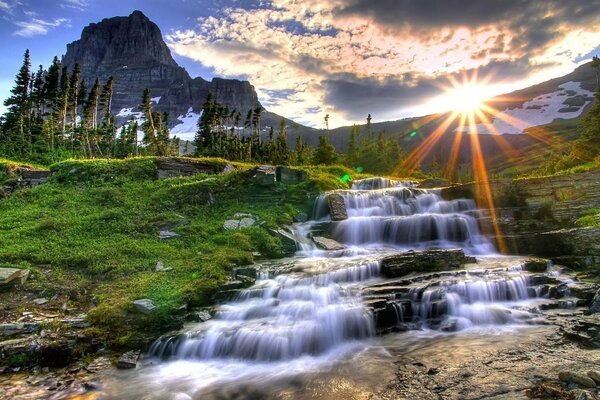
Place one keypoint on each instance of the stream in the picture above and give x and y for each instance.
(310, 326)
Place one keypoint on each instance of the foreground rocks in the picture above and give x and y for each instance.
(11, 276)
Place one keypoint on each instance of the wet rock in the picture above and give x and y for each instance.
(99, 364)
(265, 175)
(290, 175)
(145, 306)
(301, 217)
(595, 375)
(572, 377)
(583, 290)
(129, 360)
(337, 207)
(288, 241)
(203, 315)
(401, 264)
(535, 265)
(327, 244)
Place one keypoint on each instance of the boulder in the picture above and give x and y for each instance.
(11, 276)
(300, 217)
(288, 241)
(595, 375)
(129, 360)
(171, 167)
(167, 234)
(324, 243)
(337, 207)
(265, 175)
(290, 175)
(572, 377)
(402, 264)
(535, 265)
(160, 267)
(242, 220)
(145, 306)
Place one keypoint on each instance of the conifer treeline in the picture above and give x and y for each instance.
(221, 133)
(52, 115)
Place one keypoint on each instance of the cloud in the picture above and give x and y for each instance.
(344, 56)
(37, 26)
(80, 5)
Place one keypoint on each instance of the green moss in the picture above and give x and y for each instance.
(589, 218)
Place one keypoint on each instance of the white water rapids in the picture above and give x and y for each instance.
(314, 311)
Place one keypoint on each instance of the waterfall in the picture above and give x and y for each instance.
(282, 318)
(385, 213)
(316, 305)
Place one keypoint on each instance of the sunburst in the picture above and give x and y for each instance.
(471, 109)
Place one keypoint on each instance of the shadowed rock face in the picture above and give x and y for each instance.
(132, 50)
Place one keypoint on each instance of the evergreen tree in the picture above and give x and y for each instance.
(325, 152)
(17, 102)
(63, 99)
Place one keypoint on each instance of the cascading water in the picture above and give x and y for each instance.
(393, 214)
(323, 302)
(282, 318)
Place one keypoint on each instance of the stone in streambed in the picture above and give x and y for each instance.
(327, 244)
(572, 377)
(595, 375)
(402, 264)
(535, 265)
(337, 207)
(129, 360)
(301, 217)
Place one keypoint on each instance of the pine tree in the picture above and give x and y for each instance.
(64, 92)
(148, 125)
(17, 102)
(282, 148)
(325, 152)
(74, 98)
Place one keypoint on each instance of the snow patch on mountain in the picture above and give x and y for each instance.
(155, 99)
(186, 130)
(566, 103)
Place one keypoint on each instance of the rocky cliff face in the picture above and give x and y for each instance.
(536, 216)
(132, 50)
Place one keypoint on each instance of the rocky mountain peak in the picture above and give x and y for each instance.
(132, 50)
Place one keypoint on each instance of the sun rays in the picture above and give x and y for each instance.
(471, 114)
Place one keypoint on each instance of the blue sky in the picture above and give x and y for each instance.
(346, 58)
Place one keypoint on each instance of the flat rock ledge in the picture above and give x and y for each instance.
(402, 264)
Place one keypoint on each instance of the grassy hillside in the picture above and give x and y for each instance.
(90, 236)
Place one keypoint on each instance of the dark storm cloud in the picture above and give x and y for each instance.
(535, 24)
(355, 96)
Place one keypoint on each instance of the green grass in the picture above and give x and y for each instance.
(95, 227)
(589, 218)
